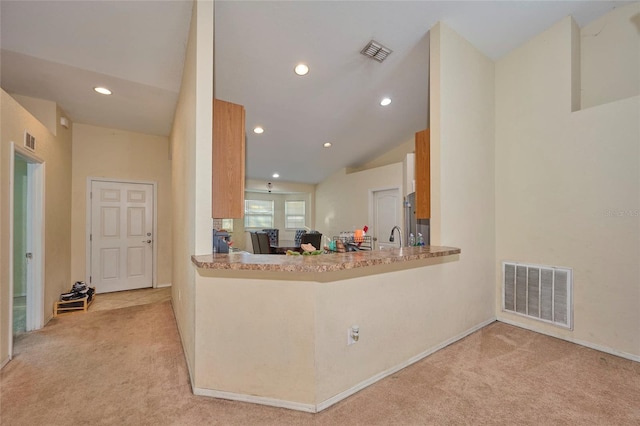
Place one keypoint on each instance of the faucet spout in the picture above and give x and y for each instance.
(399, 234)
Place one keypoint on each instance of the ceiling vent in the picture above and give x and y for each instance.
(376, 51)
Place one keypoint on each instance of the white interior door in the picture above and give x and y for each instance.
(121, 236)
(386, 215)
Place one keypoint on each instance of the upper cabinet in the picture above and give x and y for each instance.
(423, 175)
(228, 165)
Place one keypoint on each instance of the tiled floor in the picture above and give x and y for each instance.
(123, 299)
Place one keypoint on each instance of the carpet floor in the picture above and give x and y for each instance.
(126, 367)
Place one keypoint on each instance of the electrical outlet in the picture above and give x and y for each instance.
(353, 334)
(350, 340)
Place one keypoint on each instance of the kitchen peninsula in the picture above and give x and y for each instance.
(276, 330)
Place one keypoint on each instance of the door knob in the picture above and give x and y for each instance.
(146, 241)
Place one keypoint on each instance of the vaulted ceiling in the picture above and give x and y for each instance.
(60, 50)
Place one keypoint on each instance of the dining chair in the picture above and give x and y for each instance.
(299, 234)
(313, 238)
(255, 243)
(273, 235)
(263, 242)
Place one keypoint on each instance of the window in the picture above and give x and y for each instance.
(258, 214)
(294, 214)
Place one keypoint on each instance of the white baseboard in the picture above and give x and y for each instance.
(298, 406)
(342, 395)
(311, 408)
(184, 347)
(5, 362)
(163, 285)
(589, 345)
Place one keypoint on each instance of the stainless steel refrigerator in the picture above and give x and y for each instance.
(411, 224)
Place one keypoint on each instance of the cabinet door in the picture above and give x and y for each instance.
(228, 160)
(423, 175)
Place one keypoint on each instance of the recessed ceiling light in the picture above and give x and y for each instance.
(102, 90)
(275, 176)
(258, 130)
(385, 101)
(301, 69)
(326, 144)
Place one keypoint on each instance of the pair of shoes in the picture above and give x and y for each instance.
(78, 286)
(71, 296)
(79, 290)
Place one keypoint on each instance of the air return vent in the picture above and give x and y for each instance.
(29, 141)
(544, 293)
(376, 51)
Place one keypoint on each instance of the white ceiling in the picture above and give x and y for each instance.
(60, 50)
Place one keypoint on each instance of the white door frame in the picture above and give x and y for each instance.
(154, 248)
(372, 207)
(35, 239)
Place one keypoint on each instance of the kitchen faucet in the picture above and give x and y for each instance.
(399, 234)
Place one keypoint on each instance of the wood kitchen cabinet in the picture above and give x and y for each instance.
(423, 175)
(228, 165)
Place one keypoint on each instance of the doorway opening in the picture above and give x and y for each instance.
(26, 236)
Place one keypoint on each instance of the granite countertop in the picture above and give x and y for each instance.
(330, 262)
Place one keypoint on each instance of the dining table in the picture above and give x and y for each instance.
(284, 245)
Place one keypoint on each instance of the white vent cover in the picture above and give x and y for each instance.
(376, 51)
(544, 293)
(29, 141)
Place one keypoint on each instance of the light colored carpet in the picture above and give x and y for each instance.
(126, 367)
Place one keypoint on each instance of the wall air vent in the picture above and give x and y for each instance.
(376, 51)
(29, 141)
(543, 293)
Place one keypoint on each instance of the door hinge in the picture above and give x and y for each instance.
(91, 195)
(90, 237)
(89, 279)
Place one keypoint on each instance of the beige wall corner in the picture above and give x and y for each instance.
(462, 164)
(190, 144)
(99, 152)
(568, 189)
(434, 131)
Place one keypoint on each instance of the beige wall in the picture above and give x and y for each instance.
(285, 339)
(256, 337)
(55, 151)
(568, 188)
(44, 111)
(462, 170)
(190, 142)
(343, 200)
(394, 155)
(182, 142)
(610, 56)
(118, 154)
